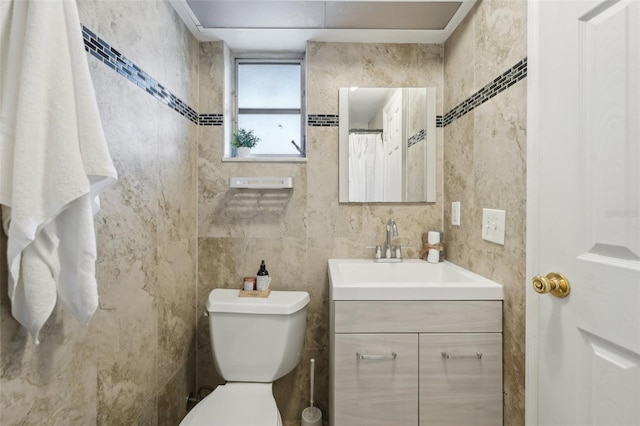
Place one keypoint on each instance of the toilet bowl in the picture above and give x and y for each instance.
(236, 404)
(255, 341)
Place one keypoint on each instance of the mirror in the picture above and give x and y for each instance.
(387, 146)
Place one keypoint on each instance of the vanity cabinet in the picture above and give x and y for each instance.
(416, 363)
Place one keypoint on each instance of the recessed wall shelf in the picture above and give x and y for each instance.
(258, 182)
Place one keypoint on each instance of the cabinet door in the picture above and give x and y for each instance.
(372, 386)
(461, 379)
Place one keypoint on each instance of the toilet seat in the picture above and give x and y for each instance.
(236, 404)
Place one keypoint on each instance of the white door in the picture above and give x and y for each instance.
(393, 134)
(583, 351)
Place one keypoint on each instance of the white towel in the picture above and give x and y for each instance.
(54, 161)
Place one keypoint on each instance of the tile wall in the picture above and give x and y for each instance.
(485, 164)
(135, 362)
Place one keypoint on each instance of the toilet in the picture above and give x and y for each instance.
(255, 341)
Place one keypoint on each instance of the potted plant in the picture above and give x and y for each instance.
(244, 140)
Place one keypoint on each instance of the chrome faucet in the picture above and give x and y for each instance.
(391, 227)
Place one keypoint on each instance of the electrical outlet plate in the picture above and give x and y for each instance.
(493, 225)
(455, 213)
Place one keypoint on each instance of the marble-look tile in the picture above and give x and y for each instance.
(460, 186)
(210, 249)
(459, 53)
(325, 216)
(149, 414)
(500, 150)
(177, 53)
(334, 65)
(223, 262)
(224, 212)
(500, 39)
(119, 23)
(159, 43)
(127, 221)
(52, 383)
(254, 213)
(126, 326)
(177, 156)
(319, 250)
(211, 77)
(172, 398)
(210, 182)
(176, 305)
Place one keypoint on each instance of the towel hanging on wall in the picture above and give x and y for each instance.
(54, 161)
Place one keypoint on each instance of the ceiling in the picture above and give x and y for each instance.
(274, 25)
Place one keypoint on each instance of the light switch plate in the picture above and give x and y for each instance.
(493, 225)
(455, 213)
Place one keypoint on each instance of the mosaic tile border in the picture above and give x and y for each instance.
(210, 119)
(105, 53)
(500, 84)
(416, 138)
(109, 56)
(323, 120)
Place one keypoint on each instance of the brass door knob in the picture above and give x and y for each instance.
(553, 283)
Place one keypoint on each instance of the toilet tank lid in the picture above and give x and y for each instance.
(278, 302)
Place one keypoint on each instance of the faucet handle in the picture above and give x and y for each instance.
(378, 251)
(399, 250)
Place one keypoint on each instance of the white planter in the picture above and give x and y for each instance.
(244, 152)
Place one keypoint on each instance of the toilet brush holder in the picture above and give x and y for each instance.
(311, 416)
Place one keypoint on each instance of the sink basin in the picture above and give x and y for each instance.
(364, 279)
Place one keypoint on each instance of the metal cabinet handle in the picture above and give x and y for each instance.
(446, 355)
(377, 357)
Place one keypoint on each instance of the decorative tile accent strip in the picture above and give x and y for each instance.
(323, 120)
(210, 119)
(416, 138)
(500, 84)
(100, 49)
(123, 66)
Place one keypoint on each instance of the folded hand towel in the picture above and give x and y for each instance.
(54, 161)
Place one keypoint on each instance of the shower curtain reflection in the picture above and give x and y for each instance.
(365, 167)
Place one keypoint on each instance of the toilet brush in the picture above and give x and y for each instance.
(311, 416)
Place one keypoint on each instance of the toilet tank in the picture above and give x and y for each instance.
(256, 339)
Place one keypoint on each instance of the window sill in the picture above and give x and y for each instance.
(264, 159)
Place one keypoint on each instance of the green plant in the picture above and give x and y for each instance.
(244, 139)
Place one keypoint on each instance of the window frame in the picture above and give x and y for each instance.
(266, 59)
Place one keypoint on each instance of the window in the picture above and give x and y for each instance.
(269, 101)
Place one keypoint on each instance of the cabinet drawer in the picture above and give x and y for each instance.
(451, 316)
(371, 386)
(461, 387)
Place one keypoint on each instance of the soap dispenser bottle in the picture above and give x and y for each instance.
(262, 277)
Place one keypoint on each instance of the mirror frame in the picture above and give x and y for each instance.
(430, 160)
